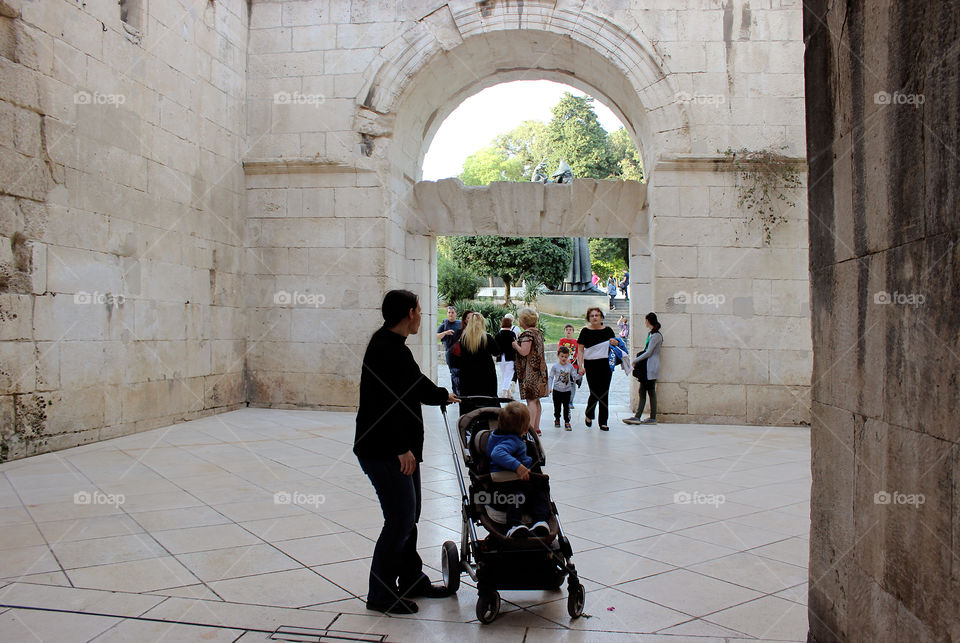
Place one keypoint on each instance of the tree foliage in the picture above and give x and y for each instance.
(488, 165)
(574, 135)
(514, 259)
(609, 256)
(456, 283)
(629, 165)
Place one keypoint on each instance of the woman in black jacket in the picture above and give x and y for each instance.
(478, 349)
(389, 446)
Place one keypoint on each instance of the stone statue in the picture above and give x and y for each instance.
(580, 274)
(563, 174)
(540, 173)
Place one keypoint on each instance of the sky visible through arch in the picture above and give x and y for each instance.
(497, 110)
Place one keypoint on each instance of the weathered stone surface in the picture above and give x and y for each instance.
(884, 266)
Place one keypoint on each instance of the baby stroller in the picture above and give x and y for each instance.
(497, 562)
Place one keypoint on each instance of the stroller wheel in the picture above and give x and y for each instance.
(450, 565)
(576, 600)
(488, 606)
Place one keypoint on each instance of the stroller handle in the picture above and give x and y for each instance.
(485, 400)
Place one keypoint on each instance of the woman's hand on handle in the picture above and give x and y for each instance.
(408, 463)
(453, 399)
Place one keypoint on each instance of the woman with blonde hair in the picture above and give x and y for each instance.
(478, 349)
(531, 364)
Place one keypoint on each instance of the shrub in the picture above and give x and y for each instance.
(455, 283)
(492, 313)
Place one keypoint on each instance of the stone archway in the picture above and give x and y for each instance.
(408, 97)
(345, 221)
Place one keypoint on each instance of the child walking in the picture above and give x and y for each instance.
(570, 342)
(562, 382)
(508, 452)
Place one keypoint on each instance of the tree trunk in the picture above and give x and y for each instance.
(506, 292)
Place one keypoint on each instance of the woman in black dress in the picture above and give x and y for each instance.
(478, 349)
(595, 340)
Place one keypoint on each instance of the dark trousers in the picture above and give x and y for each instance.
(561, 398)
(612, 297)
(648, 387)
(598, 379)
(455, 380)
(396, 565)
(531, 497)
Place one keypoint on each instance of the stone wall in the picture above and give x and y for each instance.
(121, 234)
(734, 307)
(201, 208)
(333, 87)
(882, 111)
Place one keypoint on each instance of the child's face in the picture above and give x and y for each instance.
(563, 357)
(569, 331)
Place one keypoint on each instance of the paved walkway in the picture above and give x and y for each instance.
(682, 532)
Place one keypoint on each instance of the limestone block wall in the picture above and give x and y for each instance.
(885, 270)
(321, 252)
(121, 235)
(357, 83)
(734, 308)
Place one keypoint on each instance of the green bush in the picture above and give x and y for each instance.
(492, 313)
(454, 283)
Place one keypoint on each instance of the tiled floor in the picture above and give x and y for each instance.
(200, 550)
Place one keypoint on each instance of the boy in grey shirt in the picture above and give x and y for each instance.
(562, 380)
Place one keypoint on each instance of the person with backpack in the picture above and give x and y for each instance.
(646, 368)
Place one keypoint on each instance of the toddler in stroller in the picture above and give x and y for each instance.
(506, 558)
(507, 451)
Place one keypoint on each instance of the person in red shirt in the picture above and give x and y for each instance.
(570, 342)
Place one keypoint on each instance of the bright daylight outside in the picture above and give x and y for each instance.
(382, 320)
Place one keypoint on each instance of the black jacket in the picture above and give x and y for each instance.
(505, 338)
(478, 376)
(392, 388)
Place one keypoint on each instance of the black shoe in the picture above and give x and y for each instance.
(399, 606)
(604, 427)
(556, 423)
(427, 590)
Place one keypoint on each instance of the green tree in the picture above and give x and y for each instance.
(629, 165)
(576, 136)
(515, 258)
(456, 283)
(527, 143)
(488, 165)
(609, 256)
